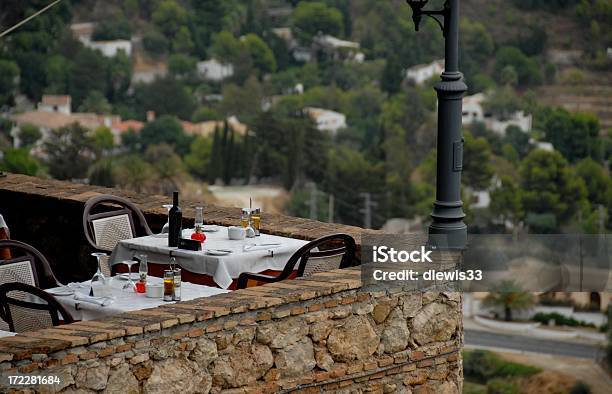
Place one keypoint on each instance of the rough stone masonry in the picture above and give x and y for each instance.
(324, 333)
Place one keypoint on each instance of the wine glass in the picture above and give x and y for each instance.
(166, 227)
(130, 284)
(99, 279)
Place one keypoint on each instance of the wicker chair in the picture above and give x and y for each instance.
(312, 257)
(28, 308)
(104, 226)
(26, 265)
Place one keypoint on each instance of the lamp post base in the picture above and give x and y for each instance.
(447, 236)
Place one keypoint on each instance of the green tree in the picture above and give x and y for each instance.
(133, 173)
(526, 68)
(169, 17)
(576, 136)
(506, 201)
(181, 66)
(182, 41)
(476, 47)
(29, 135)
(115, 28)
(309, 18)
(503, 103)
(549, 187)
(19, 161)
(168, 166)
(598, 183)
(391, 79)
(89, 72)
(165, 130)
(204, 114)
(225, 47)
(95, 102)
(477, 166)
(165, 96)
(103, 139)
(261, 54)
(508, 295)
(69, 152)
(155, 43)
(198, 159)
(518, 139)
(9, 76)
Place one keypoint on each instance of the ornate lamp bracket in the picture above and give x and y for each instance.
(439, 16)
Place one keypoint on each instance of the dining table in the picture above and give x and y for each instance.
(76, 299)
(221, 258)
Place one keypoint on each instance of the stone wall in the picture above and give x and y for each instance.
(48, 215)
(320, 334)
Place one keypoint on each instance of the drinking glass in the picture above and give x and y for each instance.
(166, 227)
(199, 217)
(130, 285)
(99, 281)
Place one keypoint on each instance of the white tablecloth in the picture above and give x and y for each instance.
(126, 301)
(6, 334)
(223, 269)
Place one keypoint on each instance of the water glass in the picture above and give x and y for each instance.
(199, 217)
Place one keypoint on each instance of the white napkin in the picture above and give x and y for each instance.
(3, 224)
(101, 301)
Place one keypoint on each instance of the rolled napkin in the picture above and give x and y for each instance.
(101, 301)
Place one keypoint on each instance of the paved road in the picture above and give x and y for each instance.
(530, 344)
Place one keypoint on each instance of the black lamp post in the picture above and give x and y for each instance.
(447, 229)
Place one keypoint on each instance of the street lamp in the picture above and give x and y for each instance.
(447, 229)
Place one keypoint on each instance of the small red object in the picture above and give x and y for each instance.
(198, 236)
(140, 287)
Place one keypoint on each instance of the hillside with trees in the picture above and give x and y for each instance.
(259, 70)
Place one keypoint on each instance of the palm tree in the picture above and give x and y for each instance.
(510, 296)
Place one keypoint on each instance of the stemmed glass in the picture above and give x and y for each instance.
(99, 279)
(130, 285)
(166, 227)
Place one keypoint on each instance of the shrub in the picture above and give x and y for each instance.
(501, 386)
(483, 366)
(560, 320)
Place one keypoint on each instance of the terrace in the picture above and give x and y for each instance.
(325, 332)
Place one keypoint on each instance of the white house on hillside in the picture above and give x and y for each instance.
(424, 72)
(473, 112)
(55, 103)
(213, 70)
(83, 32)
(112, 48)
(327, 120)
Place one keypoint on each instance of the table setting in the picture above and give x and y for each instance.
(223, 252)
(117, 298)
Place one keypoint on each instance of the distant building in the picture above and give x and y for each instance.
(84, 31)
(118, 128)
(473, 111)
(339, 49)
(542, 145)
(148, 74)
(327, 120)
(424, 72)
(207, 128)
(214, 70)
(55, 103)
(112, 48)
(48, 120)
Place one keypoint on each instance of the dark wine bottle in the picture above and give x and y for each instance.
(175, 218)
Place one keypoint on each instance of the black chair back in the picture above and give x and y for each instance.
(324, 254)
(15, 269)
(28, 308)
